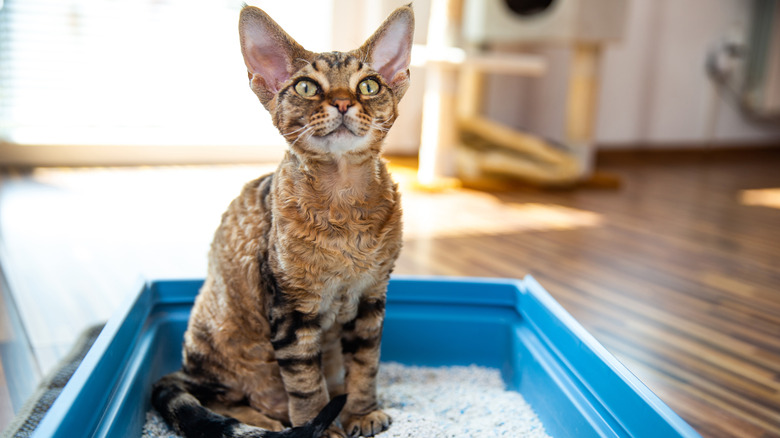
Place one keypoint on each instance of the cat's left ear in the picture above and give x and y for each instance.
(390, 49)
(271, 56)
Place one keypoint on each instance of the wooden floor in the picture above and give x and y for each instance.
(676, 272)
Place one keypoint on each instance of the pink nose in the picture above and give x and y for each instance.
(342, 104)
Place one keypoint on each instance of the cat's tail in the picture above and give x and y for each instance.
(172, 397)
(317, 426)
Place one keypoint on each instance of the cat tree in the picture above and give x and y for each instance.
(457, 140)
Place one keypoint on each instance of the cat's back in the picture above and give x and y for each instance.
(220, 323)
(241, 239)
(248, 216)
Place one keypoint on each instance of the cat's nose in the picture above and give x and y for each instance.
(342, 104)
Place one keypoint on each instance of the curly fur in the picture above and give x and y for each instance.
(291, 312)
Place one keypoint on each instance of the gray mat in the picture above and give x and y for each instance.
(34, 409)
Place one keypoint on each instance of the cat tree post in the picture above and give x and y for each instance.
(452, 89)
(490, 148)
(439, 134)
(484, 147)
(582, 102)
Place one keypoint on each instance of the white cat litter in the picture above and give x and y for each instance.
(446, 402)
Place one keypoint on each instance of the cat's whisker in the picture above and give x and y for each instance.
(305, 135)
(300, 133)
(295, 131)
(306, 61)
(364, 57)
(382, 125)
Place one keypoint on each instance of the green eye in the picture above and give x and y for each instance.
(368, 87)
(306, 88)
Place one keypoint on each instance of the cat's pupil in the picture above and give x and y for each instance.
(368, 87)
(306, 88)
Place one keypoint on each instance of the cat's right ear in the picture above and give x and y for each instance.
(269, 53)
(389, 49)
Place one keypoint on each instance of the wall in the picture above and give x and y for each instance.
(654, 91)
(654, 88)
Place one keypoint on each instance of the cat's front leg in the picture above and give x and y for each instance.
(360, 340)
(296, 339)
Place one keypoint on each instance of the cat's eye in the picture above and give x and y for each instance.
(368, 87)
(306, 88)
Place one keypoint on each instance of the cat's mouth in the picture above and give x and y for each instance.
(341, 130)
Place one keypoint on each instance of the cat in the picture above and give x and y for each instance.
(287, 326)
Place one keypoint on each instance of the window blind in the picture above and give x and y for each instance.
(136, 72)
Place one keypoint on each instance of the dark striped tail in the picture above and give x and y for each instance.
(317, 426)
(172, 398)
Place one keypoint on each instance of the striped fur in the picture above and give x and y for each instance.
(290, 315)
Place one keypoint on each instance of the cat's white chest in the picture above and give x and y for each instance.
(340, 300)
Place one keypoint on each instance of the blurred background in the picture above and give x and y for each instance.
(169, 73)
(624, 152)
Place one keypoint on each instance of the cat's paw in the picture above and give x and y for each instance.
(273, 426)
(333, 432)
(367, 425)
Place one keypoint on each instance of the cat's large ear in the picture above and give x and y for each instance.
(269, 53)
(390, 49)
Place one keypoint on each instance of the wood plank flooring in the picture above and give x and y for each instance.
(676, 272)
(677, 277)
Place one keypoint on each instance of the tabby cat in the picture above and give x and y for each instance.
(287, 326)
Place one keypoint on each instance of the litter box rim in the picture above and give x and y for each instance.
(611, 400)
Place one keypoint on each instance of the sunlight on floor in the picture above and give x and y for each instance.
(761, 197)
(470, 213)
(450, 211)
(189, 199)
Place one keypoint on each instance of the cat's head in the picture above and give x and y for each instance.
(328, 103)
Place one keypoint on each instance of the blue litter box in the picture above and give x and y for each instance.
(576, 387)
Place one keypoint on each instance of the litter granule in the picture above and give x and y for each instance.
(445, 402)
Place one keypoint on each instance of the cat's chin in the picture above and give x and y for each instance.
(341, 131)
(339, 141)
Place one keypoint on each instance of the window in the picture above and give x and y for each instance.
(78, 74)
